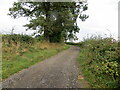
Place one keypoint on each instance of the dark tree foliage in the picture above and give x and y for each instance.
(57, 20)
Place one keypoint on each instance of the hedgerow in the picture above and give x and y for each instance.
(15, 38)
(102, 60)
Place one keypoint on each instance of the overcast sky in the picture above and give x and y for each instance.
(103, 16)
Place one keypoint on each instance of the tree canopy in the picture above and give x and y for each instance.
(56, 20)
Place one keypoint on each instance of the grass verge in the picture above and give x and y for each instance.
(16, 59)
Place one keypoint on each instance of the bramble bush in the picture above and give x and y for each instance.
(103, 60)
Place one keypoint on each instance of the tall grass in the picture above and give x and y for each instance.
(100, 61)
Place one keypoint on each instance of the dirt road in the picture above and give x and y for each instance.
(59, 71)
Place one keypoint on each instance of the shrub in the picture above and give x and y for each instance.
(103, 60)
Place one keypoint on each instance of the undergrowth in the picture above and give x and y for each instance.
(100, 62)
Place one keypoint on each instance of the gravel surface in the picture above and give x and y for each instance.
(59, 71)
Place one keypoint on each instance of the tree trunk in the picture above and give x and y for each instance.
(55, 37)
(47, 9)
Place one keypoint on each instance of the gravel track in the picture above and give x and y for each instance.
(59, 71)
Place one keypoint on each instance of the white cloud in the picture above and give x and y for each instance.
(103, 14)
(7, 22)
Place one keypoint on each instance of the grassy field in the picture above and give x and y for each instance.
(99, 62)
(18, 55)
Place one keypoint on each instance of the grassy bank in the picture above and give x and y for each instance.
(99, 61)
(22, 53)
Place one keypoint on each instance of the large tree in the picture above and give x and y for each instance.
(57, 20)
